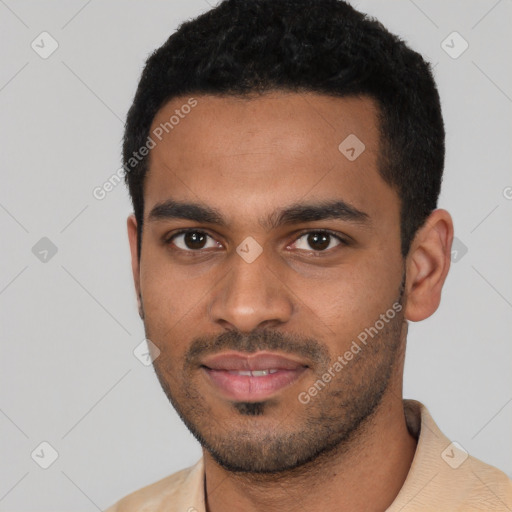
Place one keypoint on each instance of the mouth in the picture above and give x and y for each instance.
(251, 377)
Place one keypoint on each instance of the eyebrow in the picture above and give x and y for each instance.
(293, 214)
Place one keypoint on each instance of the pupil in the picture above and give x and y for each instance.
(320, 240)
(194, 240)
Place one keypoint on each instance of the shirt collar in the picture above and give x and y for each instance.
(431, 480)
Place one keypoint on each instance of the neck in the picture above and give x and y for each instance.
(365, 473)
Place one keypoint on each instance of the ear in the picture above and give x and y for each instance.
(132, 238)
(428, 263)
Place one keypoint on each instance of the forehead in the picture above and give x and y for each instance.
(248, 153)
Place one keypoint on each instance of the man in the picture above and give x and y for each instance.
(284, 159)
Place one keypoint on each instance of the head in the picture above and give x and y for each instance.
(301, 147)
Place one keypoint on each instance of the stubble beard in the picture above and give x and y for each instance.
(332, 421)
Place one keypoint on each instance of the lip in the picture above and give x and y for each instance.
(257, 361)
(228, 372)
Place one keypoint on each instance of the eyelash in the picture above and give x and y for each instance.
(333, 234)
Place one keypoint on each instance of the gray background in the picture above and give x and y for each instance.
(70, 325)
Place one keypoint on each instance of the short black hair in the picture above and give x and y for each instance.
(243, 47)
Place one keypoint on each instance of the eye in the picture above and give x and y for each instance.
(192, 240)
(319, 241)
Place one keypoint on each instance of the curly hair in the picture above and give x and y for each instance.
(243, 47)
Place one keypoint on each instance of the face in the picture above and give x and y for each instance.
(270, 276)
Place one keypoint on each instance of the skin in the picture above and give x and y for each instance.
(247, 158)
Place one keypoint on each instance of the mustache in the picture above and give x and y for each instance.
(306, 347)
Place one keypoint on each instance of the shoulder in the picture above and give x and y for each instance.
(443, 476)
(485, 486)
(181, 489)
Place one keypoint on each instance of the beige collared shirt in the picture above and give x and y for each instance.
(442, 477)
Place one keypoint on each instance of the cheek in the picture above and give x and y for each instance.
(169, 300)
(351, 298)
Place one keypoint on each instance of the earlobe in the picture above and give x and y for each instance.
(132, 238)
(428, 263)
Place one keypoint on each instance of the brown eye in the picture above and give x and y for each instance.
(317, 241)
(192, 240)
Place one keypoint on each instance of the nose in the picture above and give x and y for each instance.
(251, 296)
